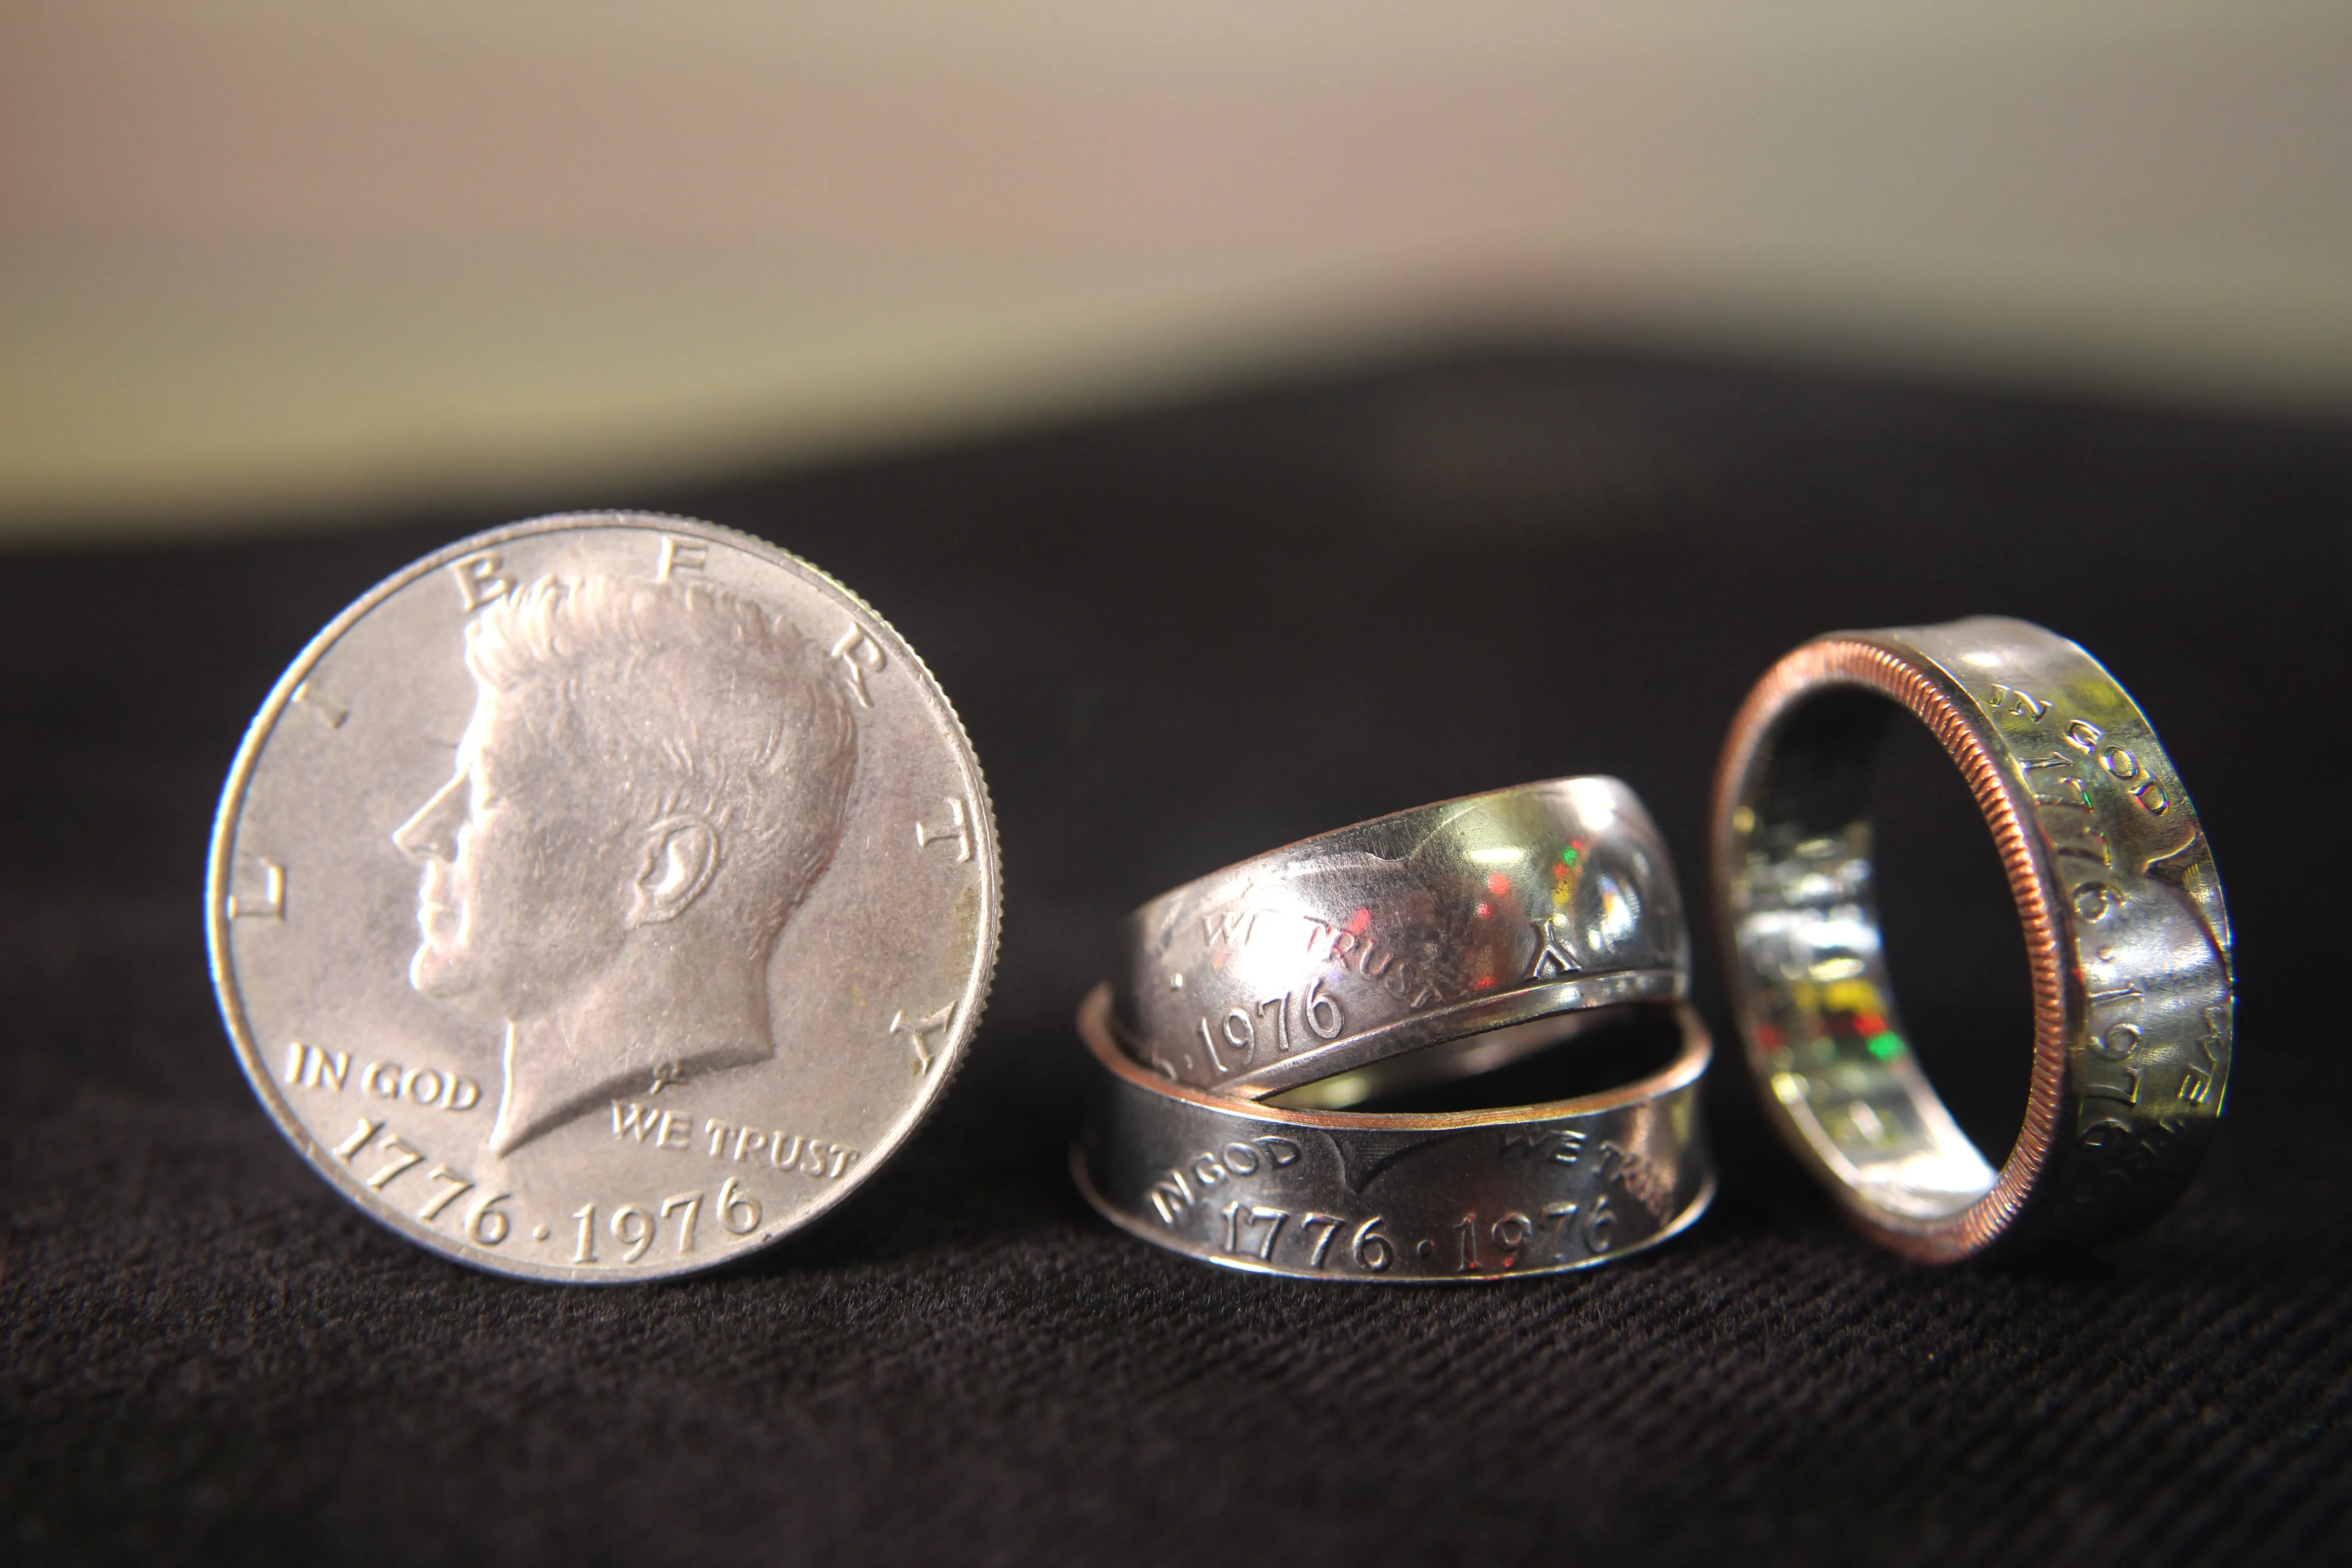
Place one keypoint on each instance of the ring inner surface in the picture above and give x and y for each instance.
(1565, 1056)
(1804, 910)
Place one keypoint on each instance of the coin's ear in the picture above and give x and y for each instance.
(676, 860)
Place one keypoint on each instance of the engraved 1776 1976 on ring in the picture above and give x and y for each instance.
(1393, 1196)
(1420, 927)
(2127, 938)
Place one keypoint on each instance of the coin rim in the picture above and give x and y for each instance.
(947, 1060)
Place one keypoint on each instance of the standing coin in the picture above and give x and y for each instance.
(603, 898)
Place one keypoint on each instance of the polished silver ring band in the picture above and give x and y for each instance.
(1395, 1198)
(2127, 940)
(1412, 929)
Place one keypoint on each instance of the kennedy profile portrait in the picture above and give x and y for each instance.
(652, 777)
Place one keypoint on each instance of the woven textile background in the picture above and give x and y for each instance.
(1178, 639)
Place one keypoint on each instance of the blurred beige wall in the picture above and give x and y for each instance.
(265, 260)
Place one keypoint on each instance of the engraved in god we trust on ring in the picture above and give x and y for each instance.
(1423, 926)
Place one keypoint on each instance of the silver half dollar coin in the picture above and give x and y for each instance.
(603, 898)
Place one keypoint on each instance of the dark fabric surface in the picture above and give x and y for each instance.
(1178, 639)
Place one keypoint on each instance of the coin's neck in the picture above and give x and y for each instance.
(669, 1009)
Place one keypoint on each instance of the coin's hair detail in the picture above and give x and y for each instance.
(729, 712)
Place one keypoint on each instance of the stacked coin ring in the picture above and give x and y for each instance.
(1433, 943)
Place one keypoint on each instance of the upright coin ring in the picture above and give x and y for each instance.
(603, 898)
(2125, 935)
(1395, 1198)
(1383, 938)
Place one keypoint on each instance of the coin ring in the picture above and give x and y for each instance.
(1392, 935)
(2128, 938)
(1395, 1198)
(931, 922)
